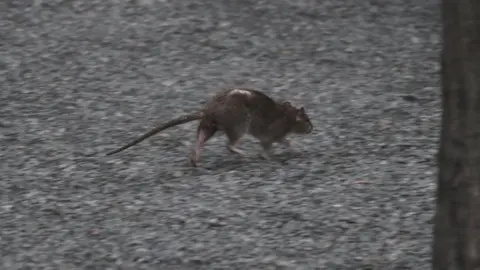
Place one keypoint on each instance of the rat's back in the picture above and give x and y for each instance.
(250, 98)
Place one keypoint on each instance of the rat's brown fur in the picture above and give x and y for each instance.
(237, 112)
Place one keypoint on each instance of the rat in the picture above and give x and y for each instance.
(237, 112)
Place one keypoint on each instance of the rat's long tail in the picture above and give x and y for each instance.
(174, 122)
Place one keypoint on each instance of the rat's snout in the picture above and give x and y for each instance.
(304, 128)
(310, 128)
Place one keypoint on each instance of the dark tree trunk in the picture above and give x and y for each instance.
(456, 242)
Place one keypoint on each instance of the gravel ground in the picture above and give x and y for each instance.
(79, 78)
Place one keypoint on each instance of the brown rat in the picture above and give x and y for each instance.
(237, 112)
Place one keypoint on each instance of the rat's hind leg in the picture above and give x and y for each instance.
(205, 131)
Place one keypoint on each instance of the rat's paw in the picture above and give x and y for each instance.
(193, 162)
(287, 143)
(291, 146)
(193, 158)
(265, 155)
(235, 150)
(294, 151)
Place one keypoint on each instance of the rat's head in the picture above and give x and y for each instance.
(301, 122)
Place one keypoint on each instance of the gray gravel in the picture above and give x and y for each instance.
(79, 78)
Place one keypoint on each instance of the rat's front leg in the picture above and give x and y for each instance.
(286, 142)
(289, 144)
(234, 137)
(266, 152)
